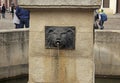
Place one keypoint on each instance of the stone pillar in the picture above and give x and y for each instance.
(50, 65)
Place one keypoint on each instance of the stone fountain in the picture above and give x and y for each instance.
(61, 40)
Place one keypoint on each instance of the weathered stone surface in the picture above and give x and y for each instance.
(107, 52)
(60, 3)
(64, 70)
(65, 16)
(13, 53)
(63, 66)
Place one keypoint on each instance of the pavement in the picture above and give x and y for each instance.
(6, 23)
(113, 22)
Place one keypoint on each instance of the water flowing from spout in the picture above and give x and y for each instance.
(58, 48)
(57, 64)
(50, 52)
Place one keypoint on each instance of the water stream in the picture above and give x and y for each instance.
(58, 48)
(57, 63)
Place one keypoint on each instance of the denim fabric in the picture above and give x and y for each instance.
(24, 22)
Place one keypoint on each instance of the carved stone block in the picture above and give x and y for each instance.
(62, 37)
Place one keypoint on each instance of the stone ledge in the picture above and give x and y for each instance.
(60, 6)
(60, 3)
(107, 31)
(14, 30)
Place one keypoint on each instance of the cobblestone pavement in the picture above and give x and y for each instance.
(113, 22)
(6, 23)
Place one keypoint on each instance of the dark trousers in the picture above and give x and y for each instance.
(24, 22)
(3, 15)
(17, 26)
(101, 24)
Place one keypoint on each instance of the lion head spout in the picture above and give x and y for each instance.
(62, 37)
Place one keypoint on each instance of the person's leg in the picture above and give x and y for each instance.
(2, 15)
(102, 27)
(95, 25)
(21, 25)
(26, 23)
(17, 26)
(101, 24)
(98, 24)
(12, 15)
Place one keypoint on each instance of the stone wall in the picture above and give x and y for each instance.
(107, 52)
(13, 53)
(71, 66)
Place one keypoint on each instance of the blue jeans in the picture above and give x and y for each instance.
(24, 22)
(3, 15)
